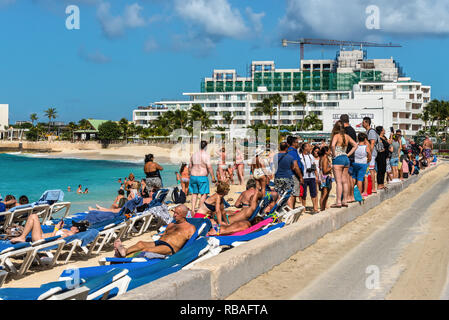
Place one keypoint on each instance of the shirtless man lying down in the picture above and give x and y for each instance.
(174, 237)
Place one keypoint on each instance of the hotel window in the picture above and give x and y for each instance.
(241, 97)
(239, 105)
(219, 76)
(267, 68)
(258, 67)
(229, 76)
(333, 96)
(226, 105)
(212, 105)
(239, 121)
(227, 97)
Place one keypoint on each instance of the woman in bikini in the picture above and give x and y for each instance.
(184, 177)
(239, 165)
(213, 207)
(340, 162)
(221, 166)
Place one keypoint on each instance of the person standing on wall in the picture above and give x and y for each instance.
(344, 118)
(373, 139)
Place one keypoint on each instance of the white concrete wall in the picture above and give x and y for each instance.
(4, 116)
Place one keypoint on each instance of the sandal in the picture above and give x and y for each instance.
(335, 206)
(344, 205)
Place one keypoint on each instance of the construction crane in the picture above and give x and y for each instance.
(341, 43)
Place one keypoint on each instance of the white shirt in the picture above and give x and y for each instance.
(307, 162)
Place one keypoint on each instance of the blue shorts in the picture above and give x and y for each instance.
(342, 160)
(359, 170)
(394, 162)
(199, 185)
(311, 183)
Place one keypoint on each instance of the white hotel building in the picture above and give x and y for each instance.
(349, 84)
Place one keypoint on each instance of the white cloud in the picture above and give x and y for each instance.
(115, 26)
(346, 20)
(93, 57)
(150, 45)
(256, 19)
(215, 18)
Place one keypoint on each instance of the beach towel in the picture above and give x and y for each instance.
(50, 197)
(95, 216)
(254, 228)
(161, 212)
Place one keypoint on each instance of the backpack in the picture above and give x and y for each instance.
(379, 146)
(178, 196)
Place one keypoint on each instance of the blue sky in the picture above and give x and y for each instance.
(132, 53)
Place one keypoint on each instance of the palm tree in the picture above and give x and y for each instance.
(181, 118)
(277, 101)
(124, 127)
(312, 122)
(83, 124)
(33, 117)
(425, 116)
(228, 117)
(72, 127)
(50, 113)
(301, 99)
(266, 108)
(196, 113)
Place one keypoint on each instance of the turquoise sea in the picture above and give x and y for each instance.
(31, 175)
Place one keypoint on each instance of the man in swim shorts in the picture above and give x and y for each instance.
(427, 149)
(171, 241)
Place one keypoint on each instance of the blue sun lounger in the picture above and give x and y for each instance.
(94, 288)
(145, 272)
(237, 240)
(28, 250)
(202, 227)
(3, 275)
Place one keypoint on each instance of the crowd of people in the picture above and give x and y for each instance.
(358, 163)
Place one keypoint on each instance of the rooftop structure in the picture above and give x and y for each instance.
(350, 82)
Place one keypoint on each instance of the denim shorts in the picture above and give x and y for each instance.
(394, 162)
(342, 160)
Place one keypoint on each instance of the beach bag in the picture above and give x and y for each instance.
(13, 231)
(379, 146)
(357, 195)
(370, 185)
(178, 196)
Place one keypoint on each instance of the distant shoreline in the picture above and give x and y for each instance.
(94, 151)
